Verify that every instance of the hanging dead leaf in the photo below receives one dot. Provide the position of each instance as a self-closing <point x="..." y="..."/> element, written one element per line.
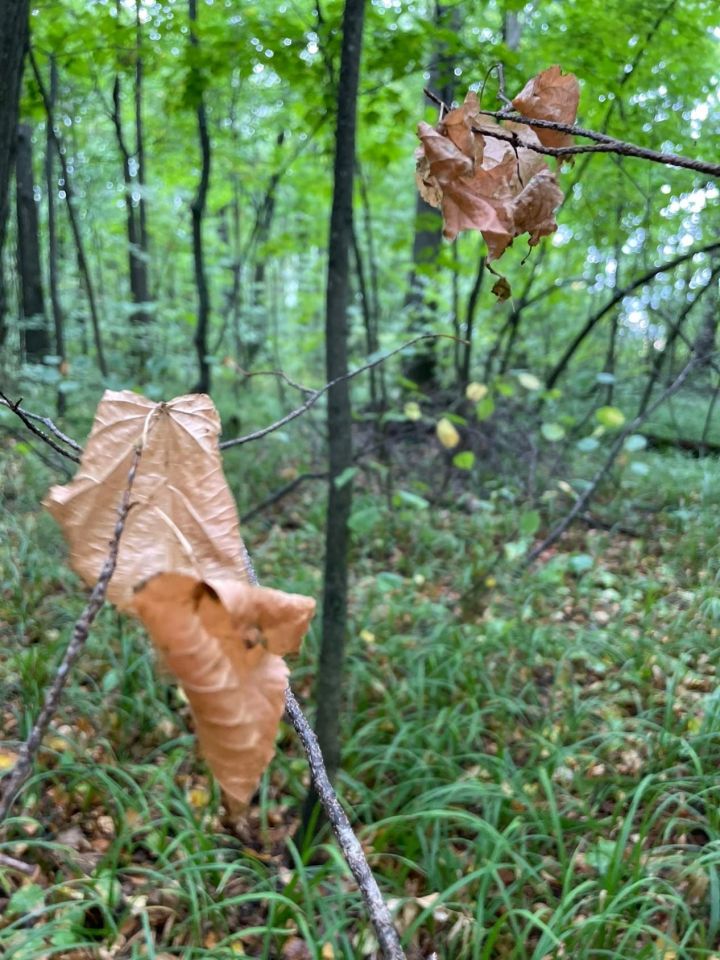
<point x="222" y="640"/>
<point x="183" y="517"/>
<point x="501" y="289"/>
<point x="554" y="96"/>
<point x="482" y="181"/>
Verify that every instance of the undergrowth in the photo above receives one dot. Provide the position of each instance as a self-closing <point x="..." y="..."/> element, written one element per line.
<point x="530" y="756"/>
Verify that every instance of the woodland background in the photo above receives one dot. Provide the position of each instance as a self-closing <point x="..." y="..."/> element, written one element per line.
<point x="529" y="752"/>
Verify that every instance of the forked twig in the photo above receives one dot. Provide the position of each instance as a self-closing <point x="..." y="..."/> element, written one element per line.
<point x="27" y="418"/>
<point x="23" y="766"/>
<point x="315" y="395"/>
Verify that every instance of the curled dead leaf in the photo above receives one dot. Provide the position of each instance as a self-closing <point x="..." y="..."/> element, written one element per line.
<point x="554" y="96"/>
<point x="222" y="641"/>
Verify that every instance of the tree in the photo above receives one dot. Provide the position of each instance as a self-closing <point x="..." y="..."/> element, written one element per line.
<point x="35" y="332"/>
<point x="13" y="42"/>
<point x="339" y="415"/>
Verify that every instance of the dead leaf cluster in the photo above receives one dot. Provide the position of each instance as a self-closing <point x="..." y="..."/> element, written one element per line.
<point x="467" y="167"/>
<point x="182" y="570"/>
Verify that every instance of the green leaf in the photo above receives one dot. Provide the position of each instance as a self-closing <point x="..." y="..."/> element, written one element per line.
<point x="26" y="899"/>
<point x="610" y="417"/>
<point x="485" y="408"/>
<point x="529" y="523"/>
<point x="405" y="498"/>
<point x="581" y="562"/>
<point x="587" y="444"/>
<point x="640" y="468"/>
<point x="552" y="431"/>
<point x="464" y="460"/>
<point x="345" y="477"/>
<point x="635" y="442"/>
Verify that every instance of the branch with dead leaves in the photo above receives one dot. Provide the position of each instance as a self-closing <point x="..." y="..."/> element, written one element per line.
<point x="603" y="142"/>
<point x="351" y="848"/>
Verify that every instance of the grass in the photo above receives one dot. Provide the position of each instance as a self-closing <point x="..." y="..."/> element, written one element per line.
<point x="530" y="757"/>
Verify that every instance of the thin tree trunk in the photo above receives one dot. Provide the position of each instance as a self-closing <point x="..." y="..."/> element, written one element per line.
<point x="198" y="211"/>
<point x="74" y="225"/>
<point x="35" y="332"/>
<point x="51" y="191"/>
<point x="13" y="44"/>
<point x="140" y="140"/>
<point x="339" y="422"/>
<point x="420" y="364"/>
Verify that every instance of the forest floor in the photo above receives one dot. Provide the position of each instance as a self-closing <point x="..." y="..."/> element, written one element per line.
<point x="530" y="756"/>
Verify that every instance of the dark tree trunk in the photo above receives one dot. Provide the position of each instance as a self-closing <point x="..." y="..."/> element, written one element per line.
<point x="420" y="365"/>
<point x="51" y="187"/>
<point x="83" y="265"/>
<point x="32" y="301"/>
<point x="339" y="422"/>
<point x="13" y="42"/>
<point x="198" y="212"/>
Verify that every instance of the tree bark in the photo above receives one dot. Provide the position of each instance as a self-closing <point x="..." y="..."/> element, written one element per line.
<point x="198" y="211"/>
<point x="420" y="365"/>
<point x="36" y="341"/>
<point x="13" y="43"/>
<point x="83" y="265"/>
<point x="51" y="187"/>
<point x="339" y="420"/>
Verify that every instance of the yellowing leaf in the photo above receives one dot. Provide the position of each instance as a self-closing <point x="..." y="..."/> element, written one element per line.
<point x="447" y="434"/>
<point x="529" y="381"/>
<point x="223" y="641"/>
<point x="183" y="517"/>
<point x="475" y="391"/>
<point x="412" y="410"/>
<point x="610" y="417"/>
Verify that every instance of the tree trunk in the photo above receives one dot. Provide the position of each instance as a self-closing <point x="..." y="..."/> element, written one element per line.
<point x="198" y="212"/>
<point x="420" y="365"/>
<point x="35" y="332"/>
<point x="51" y="187"/>
<point x="13" y="42"/>
<point x="339" y="422"/>
<point x="83" y="265"/>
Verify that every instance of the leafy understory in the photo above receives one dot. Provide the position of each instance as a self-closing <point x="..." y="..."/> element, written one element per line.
<point x="543" y="750"/>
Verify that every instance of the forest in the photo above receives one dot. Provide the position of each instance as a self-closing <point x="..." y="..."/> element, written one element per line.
<point x="359" y="493"/>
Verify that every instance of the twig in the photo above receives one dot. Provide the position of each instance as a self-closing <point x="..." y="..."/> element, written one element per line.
<point x="352" y="850"/>
<point x="349" y="844"/>
<point x="27" y="419"/>
<point x="316" y="394"/>
<point x="10" y="863"/>
<point x="583" y="500"/>
<point x="280" y="493"/>
<point x="23" y="766"/>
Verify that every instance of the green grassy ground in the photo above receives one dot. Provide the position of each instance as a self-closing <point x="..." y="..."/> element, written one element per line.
<point x="531" y="758"/>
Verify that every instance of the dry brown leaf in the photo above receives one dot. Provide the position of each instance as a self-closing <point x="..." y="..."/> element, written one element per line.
<point x="482" y="182"/>
<point x="221" y="640"/>
<point x="550" y="96"/>
<point x="183" y="517"/>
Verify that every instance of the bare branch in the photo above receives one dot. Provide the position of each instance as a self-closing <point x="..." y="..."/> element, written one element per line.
<point x="29" y="749"/>
<point x="27" y="419"/>
<point x="580" y="505"/>
<point x="317" y="394"/>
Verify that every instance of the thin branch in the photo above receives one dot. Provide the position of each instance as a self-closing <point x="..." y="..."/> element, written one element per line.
<point x="603" y="143"/>
<point x="317" y="394"/>
<point x="280" y="493"/>
<point x="352" y="850"/>
<point x="11" y="863"/>
<point x="27" y="419"/>
<point x="580" y="505"/>
<point x="21" y="770"/>
<point x="349" y="844"/>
